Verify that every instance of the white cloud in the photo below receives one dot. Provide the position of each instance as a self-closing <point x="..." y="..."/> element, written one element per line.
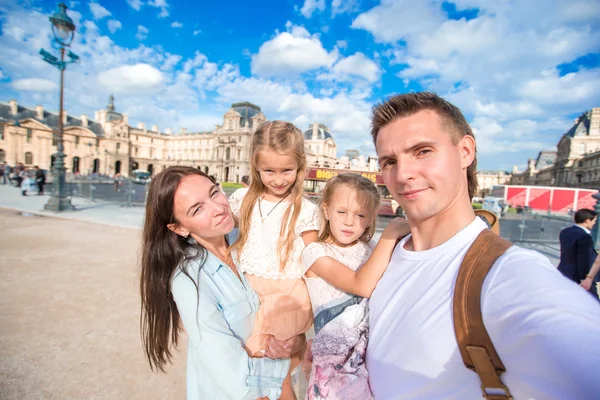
<point x="162" y="5"/>
<point x="196" y="33"/>
<point x="142" y="32"/>
<point x="135" y="4"/>
<point x="343" y="6"/>
<point x="341" y="44"/>
<point x="98" y="11"/>
<point x="310" y="6"/>
<point x="176" y="25"/>
<point x="138" y="78"/>
<point x="355" y="66"/>
<point x="291" y="53"/>
<point x="393" y="20"/>
<point x="35" y="85"/>
<point x="113" y="25"/>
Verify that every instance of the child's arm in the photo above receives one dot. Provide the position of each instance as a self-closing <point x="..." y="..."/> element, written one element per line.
<point x="363" y="281"/>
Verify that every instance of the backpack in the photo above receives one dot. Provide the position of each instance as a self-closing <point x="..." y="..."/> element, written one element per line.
<point x="476" y="347"/>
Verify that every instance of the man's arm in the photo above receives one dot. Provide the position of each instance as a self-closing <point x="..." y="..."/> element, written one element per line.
<point x="585" y="255"/>
<point x="589" y="278"/>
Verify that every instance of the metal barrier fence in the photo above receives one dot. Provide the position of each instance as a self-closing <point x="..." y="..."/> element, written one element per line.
<point x="126" y="192"/>
<point x="533" y="228"/>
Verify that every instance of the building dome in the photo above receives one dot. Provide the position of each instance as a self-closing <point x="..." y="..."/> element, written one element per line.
<point x="322" y="133"/>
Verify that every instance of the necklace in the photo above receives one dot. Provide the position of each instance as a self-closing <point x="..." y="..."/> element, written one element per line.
<point x="269" y="213"/>
<point x="412" y="246"/>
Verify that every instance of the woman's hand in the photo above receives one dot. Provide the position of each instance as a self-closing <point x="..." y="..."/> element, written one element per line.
<point x="285" y="348"/>
<point x="396" y="229"/>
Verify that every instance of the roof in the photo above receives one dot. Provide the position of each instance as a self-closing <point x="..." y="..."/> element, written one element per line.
<point x="545" y="159"/>
<point x="322" y="133"/>
<point x="49" y="119"/>
<point x="247" y="110"/>
<point x="581" y="126"/>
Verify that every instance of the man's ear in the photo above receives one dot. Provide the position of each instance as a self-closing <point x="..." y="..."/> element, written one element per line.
<point x="467" y="150"/>
<point x="178" y="230"/>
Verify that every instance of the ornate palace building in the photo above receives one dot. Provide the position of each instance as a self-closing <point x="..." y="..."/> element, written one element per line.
<point x="576" y="161"/>
<point x="108" y="145"/>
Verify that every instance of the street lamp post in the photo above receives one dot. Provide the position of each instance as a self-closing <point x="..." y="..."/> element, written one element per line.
<point x="64" y="31"/>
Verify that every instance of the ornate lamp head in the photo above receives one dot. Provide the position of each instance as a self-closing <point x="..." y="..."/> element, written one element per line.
<point x="62" y="26"/>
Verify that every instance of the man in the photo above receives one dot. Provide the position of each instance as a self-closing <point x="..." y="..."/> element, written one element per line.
<point x="40" y="179"/>
<point x="245" y="181"/>
<point x="577" y="252"/>
<point x="545" y="329"/>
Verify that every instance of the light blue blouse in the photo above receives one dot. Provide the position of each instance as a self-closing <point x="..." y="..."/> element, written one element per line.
<point x="218" y="323"/>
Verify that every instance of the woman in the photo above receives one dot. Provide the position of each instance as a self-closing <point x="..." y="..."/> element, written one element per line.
<point x="186" y="276"/>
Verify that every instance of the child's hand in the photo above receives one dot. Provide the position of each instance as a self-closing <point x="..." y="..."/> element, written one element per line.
<point x="397" y="228"/>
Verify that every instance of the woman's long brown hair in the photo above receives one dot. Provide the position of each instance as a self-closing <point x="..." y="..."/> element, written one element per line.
<point x="163" y="253"/>
<point x="283" y="138"/>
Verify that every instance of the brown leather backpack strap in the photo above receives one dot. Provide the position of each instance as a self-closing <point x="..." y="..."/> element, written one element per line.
<point x="476" y="347"/>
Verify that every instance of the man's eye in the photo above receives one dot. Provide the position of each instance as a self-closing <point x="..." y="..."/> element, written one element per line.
<point x="423" y="152"/>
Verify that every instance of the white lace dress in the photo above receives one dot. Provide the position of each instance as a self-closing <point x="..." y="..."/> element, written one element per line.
<point x="341" y="322"/>
<point x="259" y="256"/>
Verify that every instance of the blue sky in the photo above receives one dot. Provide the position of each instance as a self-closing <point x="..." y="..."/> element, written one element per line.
<point x="521" y="71"/>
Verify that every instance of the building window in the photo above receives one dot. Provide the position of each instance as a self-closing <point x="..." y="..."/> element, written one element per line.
<point x="76" y="141"/>
<point x="227" y="153"/>
<point x="97" y="143"/>
<point x="1" y="132"/>
<point x="28" y="158"/>
<point x="239" y="154"/>
<point x="2" y="156"/>
<point x="151" y="140"/>
<point x="136" y="151"/>
<point x="54" y="139"/>
<point x="118" y="147"/>
<point x="29" y="135"/>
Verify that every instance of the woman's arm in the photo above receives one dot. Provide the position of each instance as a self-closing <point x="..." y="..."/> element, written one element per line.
<point x="363" y="281"/>
<point x="227" y="366"/>
<point x="309" y="236"/>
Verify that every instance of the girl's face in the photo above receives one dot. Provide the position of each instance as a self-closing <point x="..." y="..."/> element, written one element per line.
<point x="348" y="216"/>
<point x="278" y="173"/>
<point x="201" y="208"/>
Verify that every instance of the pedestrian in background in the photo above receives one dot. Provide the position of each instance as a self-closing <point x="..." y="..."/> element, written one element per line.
<point x="245" y="181"/>
<point x="7" y="170"/>
<point x="40" y="179"/>
<point x="577" y="252"/>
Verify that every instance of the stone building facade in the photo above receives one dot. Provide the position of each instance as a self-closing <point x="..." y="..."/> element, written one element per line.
<point x="108" y="145"/>
<point x="576" y="161"/>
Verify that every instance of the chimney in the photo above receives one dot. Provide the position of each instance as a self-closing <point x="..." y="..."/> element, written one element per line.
<point x="125" y="119"/>
<point x="96" y="116"/>
<point x="169" y="131"/>
<point x="64" y="117"/>
<point x="183" y="131"/>
<point x="13" y="107"/>
<point x="155" y="128"/>
<point x="39" y="110"/>
<point x="141" y="125"/>
<point x="84" y="120"/>
<point x="102" y="116"/>
<point x="315" y="131"/>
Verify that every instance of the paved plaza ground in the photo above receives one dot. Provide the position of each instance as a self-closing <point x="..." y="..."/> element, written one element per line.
<point x="69" y="314"/>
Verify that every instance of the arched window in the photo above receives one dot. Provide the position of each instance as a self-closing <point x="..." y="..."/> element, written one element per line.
<point x="28" y="158"/>
<point x="227" y="153"/>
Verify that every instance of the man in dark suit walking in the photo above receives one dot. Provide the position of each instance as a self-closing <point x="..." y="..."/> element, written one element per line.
<point x="577" y="252"/>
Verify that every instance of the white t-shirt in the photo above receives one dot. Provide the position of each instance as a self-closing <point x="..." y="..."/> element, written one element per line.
<point x="544" y="327"/>
<point x="260" y="256"/>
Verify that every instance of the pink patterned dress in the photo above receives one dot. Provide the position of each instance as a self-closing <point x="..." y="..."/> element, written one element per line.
<point x="341" y="329"/>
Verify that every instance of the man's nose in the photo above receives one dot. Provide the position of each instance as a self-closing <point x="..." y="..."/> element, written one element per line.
<point x="404" y="170"/>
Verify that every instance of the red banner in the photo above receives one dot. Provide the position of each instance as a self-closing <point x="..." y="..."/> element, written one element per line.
<point x="324" y="174"/>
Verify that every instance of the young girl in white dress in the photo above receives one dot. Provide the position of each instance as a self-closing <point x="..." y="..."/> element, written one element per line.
<point x="348" y="210"/>
<point x="276" y="222"/>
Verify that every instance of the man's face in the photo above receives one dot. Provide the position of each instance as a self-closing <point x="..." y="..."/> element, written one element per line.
<point x="423" y="170"/>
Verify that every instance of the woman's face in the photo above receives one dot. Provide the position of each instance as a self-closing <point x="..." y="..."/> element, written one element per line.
<point x="201" y="209"/>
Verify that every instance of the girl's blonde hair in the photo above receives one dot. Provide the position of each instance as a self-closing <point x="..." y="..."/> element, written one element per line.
<point x="367" y="194"/>
<point x="283" y="138"/>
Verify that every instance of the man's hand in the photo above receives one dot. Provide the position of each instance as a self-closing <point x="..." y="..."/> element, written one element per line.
<point x="587" y="283"/>
<point x="285" y="348"/>
<point x="307" y="361"/>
